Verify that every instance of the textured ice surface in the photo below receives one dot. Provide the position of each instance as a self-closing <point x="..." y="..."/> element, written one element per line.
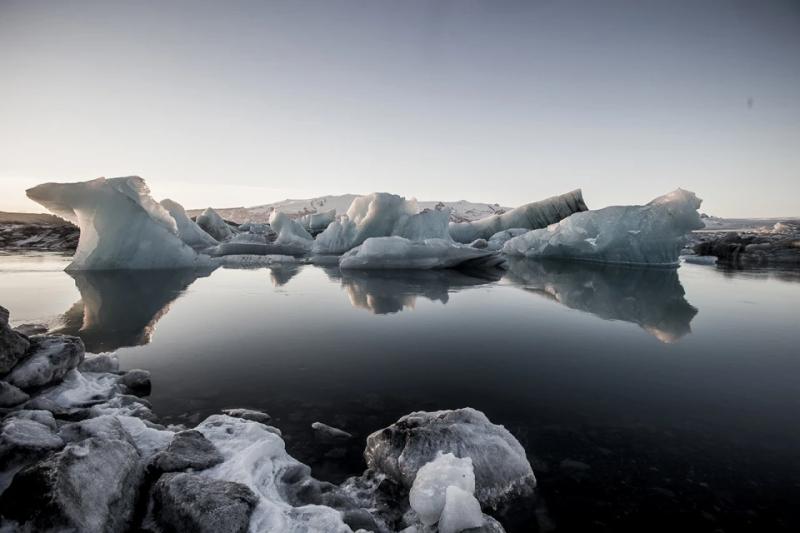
<point x="499" y="239"/>
<point x="401" y="253"/>
<point x="380" y="215"/>
<point x="648" y="234"/>
<point x="290" y="232"/>
<point x="256" y="457"/>
<point x="461" y="511"/>
<point x="427" y="495"/>
<point x="188" y="230"/>
<point x="121" y="225"/>
<point x="531" y="216"/>
<point x="317" y="221"/>
<point x="210" y="221"/>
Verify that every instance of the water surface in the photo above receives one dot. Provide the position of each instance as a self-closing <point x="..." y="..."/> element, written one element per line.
<point x="647" y="399"/>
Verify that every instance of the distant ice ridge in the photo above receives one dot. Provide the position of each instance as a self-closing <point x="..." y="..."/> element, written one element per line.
<point x="651" y="234"/>
<point x="121" y="225"/>
<point x="531" y="216"/>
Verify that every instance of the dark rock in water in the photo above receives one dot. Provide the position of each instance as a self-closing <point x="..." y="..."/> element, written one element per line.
<point x="502" y="470"/>
<point x="249" y="414"/>
<point x="137" y="381"/>
<point x="190" y="502"/>
<point x="779" y="247"/>
<point x="31" y="329"/>
<point x="100" y="363"/>
<point x="188" y="449"/>
<point x="90" y="486"/>
<point x="11" y="395"/>
<point x="49" y="359"/>
<point x="13" y="345"/>
<point x="327" y="433"/>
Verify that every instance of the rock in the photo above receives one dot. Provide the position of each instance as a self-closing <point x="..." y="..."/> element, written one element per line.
<point x="31" y="329"/>
<point x="43" y="417"/>
<point x="90" y="486"/>
<point x="249" y="414"/>
<point x="51" y="358"/>
<point x="12" y="344"/>
<point x="190" y="502"/>
<point x="501" y="468"/>
<point x="137" y="381"/>
<point x="11" y="395"/>
<point x="325" y="432"/>
<point x="108" y="363"/>
<point x="188" y="449"/>
<point x="27" y="436"/>
<point x="105" y="427"/>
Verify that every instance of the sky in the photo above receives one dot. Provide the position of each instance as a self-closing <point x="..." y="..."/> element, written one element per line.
<point x="246" y="103"/>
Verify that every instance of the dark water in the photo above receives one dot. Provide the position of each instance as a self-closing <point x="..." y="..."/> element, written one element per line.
<point x="647" y="400"/>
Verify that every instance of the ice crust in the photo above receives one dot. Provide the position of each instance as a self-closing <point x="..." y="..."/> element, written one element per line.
<point x="427" y="495"/>
<point x="531" y="216"/>
<point x="649" y="234"/>
<point x="121" y="225"/>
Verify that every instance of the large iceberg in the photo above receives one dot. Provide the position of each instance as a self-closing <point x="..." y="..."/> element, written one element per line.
<point x="290" y="232"/>
<point x="121" y="225"/>
<point x="402" y="253"/>
<point x="380" y="214"/>
<point x="316" y="222"/>
<point x="531" y="216"/>
<point x="638" y="234"/>
<point x="214" y="225"/>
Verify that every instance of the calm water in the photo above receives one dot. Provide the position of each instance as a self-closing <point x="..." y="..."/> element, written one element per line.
<point x="646" y="399"/>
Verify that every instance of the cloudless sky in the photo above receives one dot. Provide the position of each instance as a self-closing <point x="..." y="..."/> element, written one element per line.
<point x="243" y="103"/>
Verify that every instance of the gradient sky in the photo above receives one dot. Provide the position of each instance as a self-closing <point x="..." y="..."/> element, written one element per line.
<point x="242" y="103"/>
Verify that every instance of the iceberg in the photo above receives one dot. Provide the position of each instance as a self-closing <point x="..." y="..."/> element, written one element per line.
<point x="381" y="215"/>
<point x="402" y="253"/>
<point x="651" y="234"/>
<point x="121" y="225"/>
<point x="315" y="222"/>
<point x="188" y="230"/>
<point x="210" y="221"/>
<point x="290" y="232"/>
<point x="531" y="216"/>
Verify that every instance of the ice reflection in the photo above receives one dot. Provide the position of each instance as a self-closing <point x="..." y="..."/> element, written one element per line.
<point x="653" y="298"/>
<point x="121" y="308"/>
<point x="385" y="292"/>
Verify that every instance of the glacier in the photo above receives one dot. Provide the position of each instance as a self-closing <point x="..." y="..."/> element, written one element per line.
<point x="651" y="234"/>
<point x="531" y="216"/>
<point x="121" y="225"/>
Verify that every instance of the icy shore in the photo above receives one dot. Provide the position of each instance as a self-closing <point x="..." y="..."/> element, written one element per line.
<point x="80" y="449"/>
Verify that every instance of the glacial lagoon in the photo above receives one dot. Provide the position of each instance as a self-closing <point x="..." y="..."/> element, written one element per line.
<point x="646" y="399"/>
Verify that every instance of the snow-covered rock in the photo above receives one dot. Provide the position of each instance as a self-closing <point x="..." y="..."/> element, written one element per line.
<point x="290" y="232"/>
<point x="90" y="486"/>
<point x="191" y="502"/>
<point x="210" y="222"/>
<point x="11" y="395"/>
<point x="329" y="433"/>
<point x="104" y="362"/>
<point x="13" y="345"/>
<point x="650" y="234"/>
<point x="401" y="253"/>
<point x="501" y="468"/>
<point x="49" y="359"/>
<point x="188" y="449"/>
<point x="188" y="230"/>
<point x="121" y="225"/>
<point x="531" y="216"/>
<point x="315" y="222"/>
<point x="427" y="495"/>
<point x="136" y="381"/>
<point x="248" y="414"/>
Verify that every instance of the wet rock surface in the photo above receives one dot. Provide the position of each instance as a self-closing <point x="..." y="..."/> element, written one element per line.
<point x="13" y="345"/>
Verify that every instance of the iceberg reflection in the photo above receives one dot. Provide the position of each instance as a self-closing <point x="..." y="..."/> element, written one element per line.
<point x="653" y="298"/>
<point x="120" y="308"/>
<point x="385" y="292"/>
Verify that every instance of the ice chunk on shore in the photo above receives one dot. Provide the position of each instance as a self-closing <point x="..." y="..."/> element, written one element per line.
<point x="380" y="215"/>
<point x="461" y="511"/>
<point x="290" y="232"/>
<point x="401" y="253"/>
<point x="531" y="216"/>
<point x="121" y="225"/>
<point x="188" y="230"/>
<point x="213" y="224"/>
<point x="648" y="234"/>
<point x="427" y="495"/>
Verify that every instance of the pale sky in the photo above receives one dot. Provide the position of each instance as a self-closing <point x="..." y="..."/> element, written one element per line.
<point x="244" y="103"/>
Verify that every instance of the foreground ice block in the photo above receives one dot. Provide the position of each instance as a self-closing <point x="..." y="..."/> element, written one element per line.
<point x="531" y="216"/>
<point x="651" y="234"/>
<point x="121" y="225"/>
<point x="401" y="253"/>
